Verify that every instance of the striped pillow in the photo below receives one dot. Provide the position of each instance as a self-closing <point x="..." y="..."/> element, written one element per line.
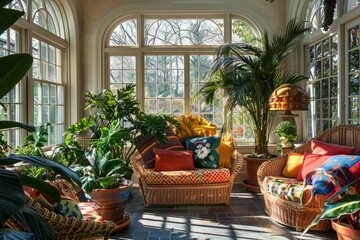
<point x="145" y="145"/>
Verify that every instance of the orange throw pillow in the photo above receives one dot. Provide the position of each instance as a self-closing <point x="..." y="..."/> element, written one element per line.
<point x="168" y="160"/>
<point x="293" y="165"/>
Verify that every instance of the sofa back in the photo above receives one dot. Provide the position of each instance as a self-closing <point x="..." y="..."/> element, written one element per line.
<point x="344" y="134"/>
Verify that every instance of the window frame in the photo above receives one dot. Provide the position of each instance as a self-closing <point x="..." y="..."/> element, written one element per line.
<point x="140" y="50"/>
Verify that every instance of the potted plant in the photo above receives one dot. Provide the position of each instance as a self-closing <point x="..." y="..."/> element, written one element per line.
<point x="107" y="167"/>
<point x="287" y="133"/>
<point x="247" y="75"/>
<point x="343" y="206"/>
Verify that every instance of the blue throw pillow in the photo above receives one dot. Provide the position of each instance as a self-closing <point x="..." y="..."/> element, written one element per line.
<point x="205" y="154"/>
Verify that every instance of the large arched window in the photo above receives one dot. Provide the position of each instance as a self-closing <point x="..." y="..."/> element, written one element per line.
<point x="167" y="58"/>
<point x="40" y="96"/>
<point x="333" y="68"/>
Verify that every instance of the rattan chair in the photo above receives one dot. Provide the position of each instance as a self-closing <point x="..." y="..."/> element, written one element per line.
<point x="301" y="215"/>
<point x="216" y="193"/>
<point x="64" y="227"/>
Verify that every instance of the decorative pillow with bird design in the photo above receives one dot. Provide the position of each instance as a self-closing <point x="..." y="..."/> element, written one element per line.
<point x="205" y="151"/>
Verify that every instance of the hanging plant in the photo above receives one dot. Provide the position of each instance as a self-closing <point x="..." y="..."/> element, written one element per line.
<point x="329" y="10"/>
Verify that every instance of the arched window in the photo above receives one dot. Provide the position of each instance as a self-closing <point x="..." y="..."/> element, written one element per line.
<point x="43" y="93"/>
<point x="169" y="60"/>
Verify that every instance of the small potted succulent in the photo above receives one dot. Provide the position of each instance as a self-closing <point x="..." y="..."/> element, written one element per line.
<point x="343" y="205"/>
<point x="287" y="133"/>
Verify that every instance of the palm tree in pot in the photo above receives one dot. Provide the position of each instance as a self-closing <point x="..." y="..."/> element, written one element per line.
<point x="247" y="75"/>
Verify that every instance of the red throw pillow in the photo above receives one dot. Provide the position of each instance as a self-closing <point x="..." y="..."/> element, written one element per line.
<point x="168" y="160"/>
<point x="319" y="147"/>
<point x="310" y="163"/>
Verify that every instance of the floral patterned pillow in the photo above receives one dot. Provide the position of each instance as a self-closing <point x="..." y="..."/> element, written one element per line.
<point x="205" y="154"/>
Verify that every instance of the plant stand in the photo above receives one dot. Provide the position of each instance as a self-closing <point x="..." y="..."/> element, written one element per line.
<point x="345" y="232"/>
<point x="252" y="165"/>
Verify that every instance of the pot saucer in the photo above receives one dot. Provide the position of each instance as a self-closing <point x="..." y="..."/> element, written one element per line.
<point x="123" y="224"/>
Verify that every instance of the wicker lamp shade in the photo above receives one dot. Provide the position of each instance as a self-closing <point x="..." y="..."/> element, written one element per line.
<point x="289" y="97"/>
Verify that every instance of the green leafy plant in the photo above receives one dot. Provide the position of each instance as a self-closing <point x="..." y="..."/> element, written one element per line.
<point x="121" y="121"/>
<point x="344" y="204"/>
<point x="248" y="74"/>
<point x="287" y="133"/>
<point x="103" y="172"/>
<point x="35" y="142"/>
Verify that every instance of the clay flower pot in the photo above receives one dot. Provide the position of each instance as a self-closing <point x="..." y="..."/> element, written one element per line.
<point x="252" y="165"/>
<point x="112" y="202"/>
<point x="345" y="232"/>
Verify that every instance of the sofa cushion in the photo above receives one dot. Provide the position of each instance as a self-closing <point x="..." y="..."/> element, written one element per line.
<point x="310" y="163"/>
<point x="145" y="145"/>
<point x="188" y="177"/>
<point x="90" y="211"/>
<point x="205" y="151"/>
<point x="319" y="147"/>
<point x="293" y="165"/>
<point x="168" y="160"/>
<point x="284" y="188"/>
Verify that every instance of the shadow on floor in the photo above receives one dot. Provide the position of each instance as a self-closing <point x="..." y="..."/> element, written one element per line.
<point x="245" y="218"/>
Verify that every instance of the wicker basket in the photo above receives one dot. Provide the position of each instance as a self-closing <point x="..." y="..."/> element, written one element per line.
<point x="64" y="227"/>
<point x="187" y="193"/>
<point x="301" y="215"/>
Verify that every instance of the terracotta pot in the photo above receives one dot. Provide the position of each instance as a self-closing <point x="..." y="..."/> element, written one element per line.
<point x="252" y="165"/>
<point x="345" y="232"/>
<point x="112" y="202"/>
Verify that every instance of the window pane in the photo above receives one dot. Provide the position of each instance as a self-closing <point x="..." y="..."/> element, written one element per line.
<point x="164" y="87"/>
<point x="125" y="34"/>
<point x="122" y="71"/>
<point x="184" y="31"/>
<point x="242" y="33"/>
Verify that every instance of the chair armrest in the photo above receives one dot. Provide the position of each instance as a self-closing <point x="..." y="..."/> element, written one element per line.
<point x="136" y="161"/>
<point x="272" y="167"/>
<point x="236" y="163"/>
<point x="66" y="188"/>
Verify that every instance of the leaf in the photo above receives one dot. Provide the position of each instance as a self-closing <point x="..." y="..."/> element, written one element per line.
<point x="3" y="3"/>
<point x="42" y="186"/>
<point x="8" y="17"/>
<point x="35" y="223"/>
<point x="42" y="162"/>
<point x="346" y="205"/>
<point x="89" y="183"/>
<point x="12" y="197"/>
<point x="12" y="124"/>
<point x="11" y="234"/>
<point x="12" y="70"/>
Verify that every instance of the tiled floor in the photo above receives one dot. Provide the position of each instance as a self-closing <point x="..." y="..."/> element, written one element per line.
<point x="244" y="219"/>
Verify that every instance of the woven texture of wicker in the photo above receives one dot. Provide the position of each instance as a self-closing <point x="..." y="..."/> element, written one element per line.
<point x="301" y="215"/>
<point x="217" y="193"/>
<point x="64" y="227"/>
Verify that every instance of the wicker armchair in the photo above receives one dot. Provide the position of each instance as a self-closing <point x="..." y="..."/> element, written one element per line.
<point x="216" y="193"/>
<point x="64" y="227"/>
<point x="301" y="215"/>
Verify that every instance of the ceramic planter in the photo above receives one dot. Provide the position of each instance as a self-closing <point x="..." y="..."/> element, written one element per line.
<point x="345" y="232"/>
<point x="112" y="202"/>
<point x="252" y="165"/>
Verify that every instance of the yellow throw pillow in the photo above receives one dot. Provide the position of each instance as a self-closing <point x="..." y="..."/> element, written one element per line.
<point x="225" y="151"/>
<point x="293" y="165"/>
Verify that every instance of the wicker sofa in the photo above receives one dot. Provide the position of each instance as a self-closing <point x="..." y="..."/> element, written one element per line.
<point x="301" y="215"/>
<point x="216" y="193"/>
<point x="64" y="227"/>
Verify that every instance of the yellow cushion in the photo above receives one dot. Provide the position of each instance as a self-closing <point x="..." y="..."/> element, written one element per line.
<point x="194" y="126"/>
<point x="225" y="151"/>
<point x="293" y="165"/>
